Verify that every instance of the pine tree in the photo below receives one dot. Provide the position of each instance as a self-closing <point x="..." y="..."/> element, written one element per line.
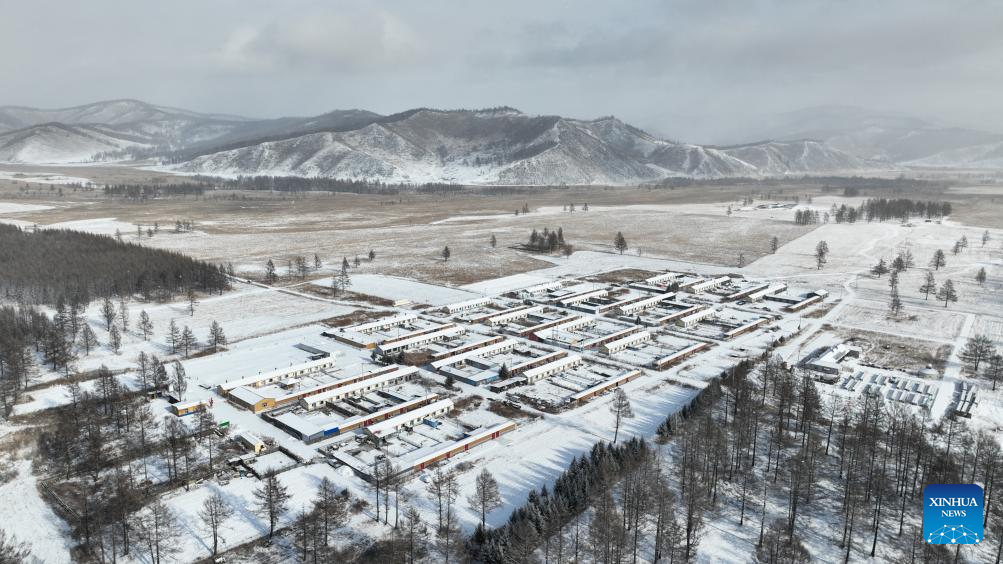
<point x="994" y="368"/>
<point x="774" y="244"/>
<point x="939" y="260"/>
<point x="187" y="341"/>
<point x="180" y="379"/>
<point x="929" y="285"/>
<point x="115" y="339"/>
<point x="216" y="336"/>
<point x="372" y="255"/>
<point x="316" y="262"/>
<point x="270" y="275"/>
<point x="446" y="253"/>
<point x="880" y="269"/>
<point x="821" y="254"/>
<point x="88" y="339"/>
<point x="173" y="336"/>
<point x="980" y="276"/>
<point x="947" y="292"/>
<point x="192" y="300"/>
<point x="123" y="315"/>
<point x="494" y="241"/>
<point x="620" y="242"/>
<point x="145" y="325"/>
<point x="977" y="349"/>
<point x="895" y="303"/>
<point x="108" y="313"/>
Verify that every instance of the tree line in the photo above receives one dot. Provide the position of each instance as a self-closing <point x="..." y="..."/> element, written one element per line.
<point x="318" y="184"/>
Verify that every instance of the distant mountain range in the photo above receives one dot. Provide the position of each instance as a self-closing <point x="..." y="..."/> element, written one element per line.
<point x="890" y="137"/>
<point x="492" y="146"/>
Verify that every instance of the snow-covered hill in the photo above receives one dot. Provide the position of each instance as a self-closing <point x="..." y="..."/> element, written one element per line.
<point x="504" y="146"/>
<point x="55" y="143"/>
<point x="886" y="136"/>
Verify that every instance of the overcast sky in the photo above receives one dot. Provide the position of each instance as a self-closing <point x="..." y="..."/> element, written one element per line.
<point x="696" y="70"/>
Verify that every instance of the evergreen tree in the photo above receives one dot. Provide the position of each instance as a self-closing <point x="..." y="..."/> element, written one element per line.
<point x="939" y="259"/>
<point x="108" y="313"/>
<point x="88" y="340"/>
<point x="880" y="269"/>
<point x="187" y="342"/>
<point x="620" y="242"/>
<point x="980" y="276"/>
<point x="947" y="292"/>
<point x="216" y="336"/>
<point x="115" y="339"/>
<point x="145" y="325"/>
<point x="270" y="275"/>
<point x="173" y="336"/>
<point x="929" y="285"/>
<point x="446" y="253"/>
<point x="821" y="254"/>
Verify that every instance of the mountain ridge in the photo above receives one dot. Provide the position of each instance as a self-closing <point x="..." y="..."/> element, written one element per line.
<point x="497" y="145"/>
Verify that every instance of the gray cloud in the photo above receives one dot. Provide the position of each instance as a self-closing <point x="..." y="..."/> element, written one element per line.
<point x="695" y="70"/>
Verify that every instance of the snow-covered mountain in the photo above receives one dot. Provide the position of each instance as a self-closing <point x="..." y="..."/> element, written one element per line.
<point x="886" y="136"/>
<point x="116" y="129"/>
<point x="504" y="146"/>
<point x="493" y="146"/>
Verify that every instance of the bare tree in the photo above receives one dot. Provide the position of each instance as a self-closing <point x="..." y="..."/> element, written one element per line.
<point x="180" y="379"/>
<point x="115" y="339"/>
<point x="88" y="339"/>
<point x="414" y="533"/>
<point x="108" y="313"/>
<point x="929" y="285"/>
<point x="215" y="511"/>
<point x="331" y="507"/>
<point x="158" y="528"/>
<point x="620" y="408"/>
<point x="486" y="497"/>
<point x="145" y="325"/>
<point x="12" y="551"/>
<point x="192" y="298"/>
<point x="272" y="501"/>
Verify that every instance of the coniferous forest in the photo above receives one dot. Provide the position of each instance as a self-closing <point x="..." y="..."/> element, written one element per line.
<point x="40" y="266"/>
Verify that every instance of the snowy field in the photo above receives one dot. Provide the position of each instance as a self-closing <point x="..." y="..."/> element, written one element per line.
<point x="393" y="288"/>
